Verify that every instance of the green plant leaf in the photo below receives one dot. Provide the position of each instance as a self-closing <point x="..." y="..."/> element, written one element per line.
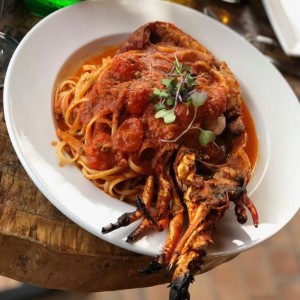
<point x="159" y="106"/>
<point x="178" y="88"/>
<point x="166" y="81"/>
<point x="190" y="80"/>
<point x="198" y="99"/>
<point x="205" y="137"/>
<point x="170" y="101"/>
<point x="157" y="93"/>
<point x="170" y="84"/>
<point x="167" y="115"/>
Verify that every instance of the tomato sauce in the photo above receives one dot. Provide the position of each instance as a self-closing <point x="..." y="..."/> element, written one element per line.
<point x="136" y="135"/>
<point x="252" y="145"/>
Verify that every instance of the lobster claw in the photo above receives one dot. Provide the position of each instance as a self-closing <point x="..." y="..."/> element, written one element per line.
<point x="179" y="288"/>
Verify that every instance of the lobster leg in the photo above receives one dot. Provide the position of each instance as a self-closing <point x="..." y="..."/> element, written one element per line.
<point x="174" y="232"/>
<point x="141" y="229"/>
<point x="175" y="229"/>
<point x="191" y="250"/>
<point x="192" y="257"/>
<point x="201" y="214"/>
<point x="142" y="208"/>
<point x="161" y="219"/>
<point x="249" y="204"/>
<point x="180" y="287"/>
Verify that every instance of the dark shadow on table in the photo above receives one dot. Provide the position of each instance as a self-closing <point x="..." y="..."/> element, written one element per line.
<point x="25" y="292"/>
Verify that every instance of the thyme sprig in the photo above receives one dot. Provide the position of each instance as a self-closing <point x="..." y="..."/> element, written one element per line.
<point x="179" y="87"/>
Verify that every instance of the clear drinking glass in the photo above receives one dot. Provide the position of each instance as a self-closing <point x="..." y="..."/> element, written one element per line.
<point x="7" y="47"/>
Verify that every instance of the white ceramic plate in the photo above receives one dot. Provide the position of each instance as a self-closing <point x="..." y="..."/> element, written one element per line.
<point x="78" y="31"/>
<point x="284" y="16"/>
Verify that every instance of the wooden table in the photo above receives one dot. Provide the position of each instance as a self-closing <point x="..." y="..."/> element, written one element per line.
<point x="38" y="244"/>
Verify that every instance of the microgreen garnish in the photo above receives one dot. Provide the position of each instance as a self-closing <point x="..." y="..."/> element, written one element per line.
<point x="196" y="101"/>
<point x="179" y="86"/>
<point x="159" y="106"/>
<point x="160" y="93"/>
<point x="205" y="137"/>
<point x="167" y="115"/>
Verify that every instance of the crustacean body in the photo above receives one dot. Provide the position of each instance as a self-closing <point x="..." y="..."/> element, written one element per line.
<point x="187" y="179"/>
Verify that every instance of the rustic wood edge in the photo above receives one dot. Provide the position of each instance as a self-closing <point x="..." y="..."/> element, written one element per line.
<point x="94" y="266"/>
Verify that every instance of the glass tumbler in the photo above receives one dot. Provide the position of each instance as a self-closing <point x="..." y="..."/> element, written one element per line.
<point x="42" y="8"/>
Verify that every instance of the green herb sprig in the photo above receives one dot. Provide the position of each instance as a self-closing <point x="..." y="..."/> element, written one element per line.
<point x="180" y="88"/>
